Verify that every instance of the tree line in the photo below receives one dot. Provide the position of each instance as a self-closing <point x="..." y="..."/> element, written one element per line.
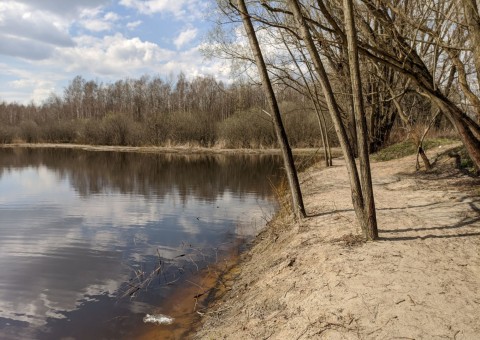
<point x="156" y="111"/>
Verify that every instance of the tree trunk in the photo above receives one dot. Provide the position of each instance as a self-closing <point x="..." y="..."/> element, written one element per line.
<point x="370" y="222"/>
<point x="425" y="160"/>
<point x="473" y="22"/>
<point x="297" y="200"/>
<point x="357" y="197"/>
<point x="467" y="130"/>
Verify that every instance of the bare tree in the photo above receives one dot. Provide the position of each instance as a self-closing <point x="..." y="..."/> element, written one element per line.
<point x="362" y="211"/>
<point x="361" y="123"/>
<point x="297" y="200"/>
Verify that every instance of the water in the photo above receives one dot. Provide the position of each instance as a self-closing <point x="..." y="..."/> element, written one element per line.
<point x="81" y="232"/>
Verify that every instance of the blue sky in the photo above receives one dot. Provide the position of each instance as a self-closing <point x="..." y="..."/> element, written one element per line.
<point x="45" y="43"/>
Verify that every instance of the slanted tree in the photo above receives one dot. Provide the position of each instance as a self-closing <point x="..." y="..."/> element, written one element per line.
<point x="294" y="184"/>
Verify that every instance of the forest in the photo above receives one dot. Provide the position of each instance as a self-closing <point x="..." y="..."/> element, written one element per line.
<point x="152" y="110"/>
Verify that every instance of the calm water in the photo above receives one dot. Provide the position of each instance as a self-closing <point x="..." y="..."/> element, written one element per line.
<point x="78" y="227"/>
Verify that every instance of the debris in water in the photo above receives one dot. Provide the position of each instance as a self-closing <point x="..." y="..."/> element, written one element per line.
<point x="158" y="318"/>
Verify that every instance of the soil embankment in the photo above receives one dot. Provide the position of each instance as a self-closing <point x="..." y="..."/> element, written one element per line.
<point x="316" y="279"/>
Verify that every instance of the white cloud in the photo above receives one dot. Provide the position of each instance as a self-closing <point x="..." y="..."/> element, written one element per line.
<point x="96" y="25"/>
<point x="185" y="37"/>
<point x="182" y="9"/>
<point x="112" y="57"/>
<point x="94" y="20"/>
<point x="111" y="16"/>
<point x="27" y="85"/>
<point x="134" y="24"/>
<point x="30" y="33"/>
<point x="113" y="54"/>
<point x="64" y="8"/>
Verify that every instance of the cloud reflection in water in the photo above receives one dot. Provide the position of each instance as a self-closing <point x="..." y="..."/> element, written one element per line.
<point x="73" y="225"/>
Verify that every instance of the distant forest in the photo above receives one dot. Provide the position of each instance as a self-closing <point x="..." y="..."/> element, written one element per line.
<point x="155" y="111"/>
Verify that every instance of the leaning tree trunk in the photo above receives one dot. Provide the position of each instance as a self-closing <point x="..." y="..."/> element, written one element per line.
<point x="467" y="129"/>
<point x="297" y="200"/>
<point x="370" y="222"/>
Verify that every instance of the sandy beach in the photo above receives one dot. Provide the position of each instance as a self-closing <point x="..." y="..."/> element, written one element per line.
<point x="316" y="279"/>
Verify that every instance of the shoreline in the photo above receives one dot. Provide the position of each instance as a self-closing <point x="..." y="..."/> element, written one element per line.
<point x="317" y="279"/>
<point x="183" y="149"/>
<point x="188" y="302"/>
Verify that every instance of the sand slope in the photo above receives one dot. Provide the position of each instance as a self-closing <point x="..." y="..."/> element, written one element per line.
<point x="315" y="280"/>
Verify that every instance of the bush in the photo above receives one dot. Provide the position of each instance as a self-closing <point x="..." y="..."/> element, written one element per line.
<point x="245" y="129"/>
<point x="60" y="132"/>
<point x="7" y="134"/>
<point x="302" y="128"/>
<point x="191" y="127"/>
<point x="92" y="132"/>
<point x="157" y="130"/>
<point x="113" y="129"/>
<point x="29" y="131"/>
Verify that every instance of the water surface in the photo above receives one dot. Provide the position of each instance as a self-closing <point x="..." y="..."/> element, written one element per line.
<point x="80" y="230"/>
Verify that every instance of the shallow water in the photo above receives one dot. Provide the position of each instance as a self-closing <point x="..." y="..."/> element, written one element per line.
<point x="82" y="233"/>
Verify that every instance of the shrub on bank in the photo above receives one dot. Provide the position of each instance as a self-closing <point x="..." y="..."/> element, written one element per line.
<point x="245" y="129"/>
<point x="7" y="134"/>
<point x="29" y="131"/>
<point x="157" y="130"/>
<point x="114" y="129"/>
<point x="302" y="128"/>
<point x="187" y="127"/>
<point x="60" y="132"/>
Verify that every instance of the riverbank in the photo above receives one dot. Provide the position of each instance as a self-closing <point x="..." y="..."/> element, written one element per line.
<point x="316" y="280"/>
<point x="183" y="149"/>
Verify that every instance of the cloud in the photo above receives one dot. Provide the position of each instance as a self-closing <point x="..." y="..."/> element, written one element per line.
<point x="24" y="48"/>
<point x="39" y="88"/>
<point x="185" y="37"/>
<point x="111" y="16"/>
<point x="193" y="64"/>
<point x="181" y="9"/>
<point x="23" y="84"/>
<point x="111" y="57"/>
<point x="62" y="7"/>
<point x="114" y="54"/>
<point x="95" y="21"/>
<point x="134" y="24"/>
<point x="31" y="34"/>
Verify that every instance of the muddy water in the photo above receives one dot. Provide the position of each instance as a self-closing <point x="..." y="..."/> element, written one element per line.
<point x="92" y="242"/>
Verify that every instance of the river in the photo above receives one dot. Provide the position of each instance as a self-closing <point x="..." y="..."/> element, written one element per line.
<point x="91" y="242"/>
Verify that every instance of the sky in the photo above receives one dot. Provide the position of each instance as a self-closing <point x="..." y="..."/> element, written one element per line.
<point x="44" y="44"/>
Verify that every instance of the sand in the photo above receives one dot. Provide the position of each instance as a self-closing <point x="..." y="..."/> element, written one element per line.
<point x="316" y="279"/>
